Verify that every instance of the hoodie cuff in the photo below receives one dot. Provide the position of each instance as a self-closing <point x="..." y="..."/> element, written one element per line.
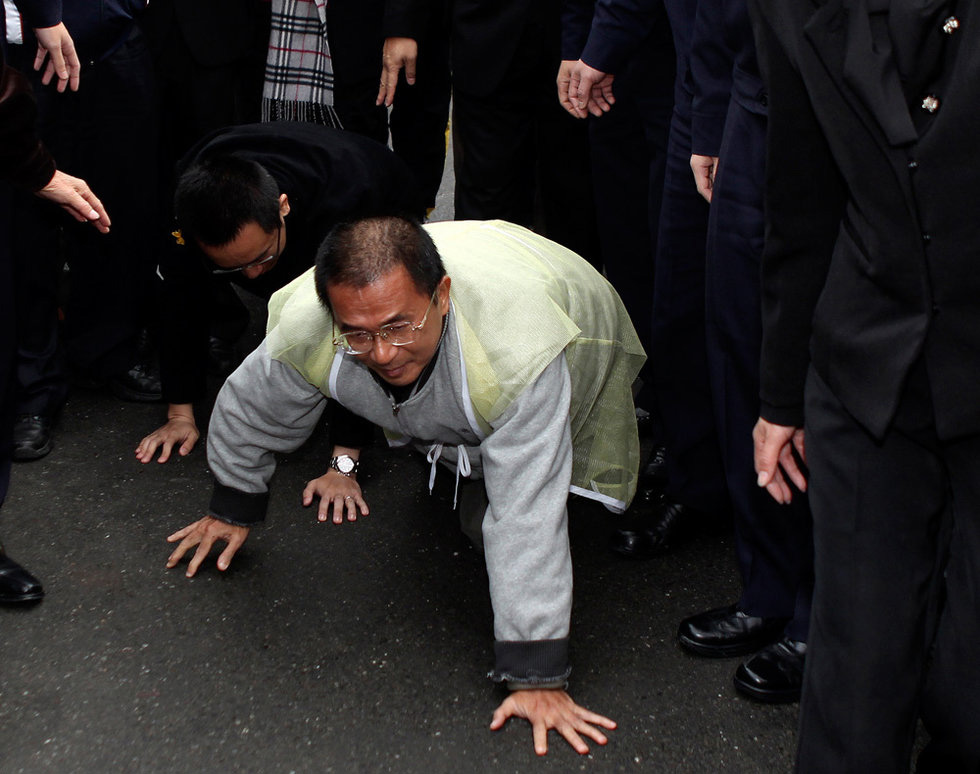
<point x="531" y="663"/>
<point x="243" y="509"/>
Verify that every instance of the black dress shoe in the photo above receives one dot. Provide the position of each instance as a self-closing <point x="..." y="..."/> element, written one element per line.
<point x="17" y="584"/>
<point x="775" y="674"/>
<point x="654" y="532"/>
<point x="32" y="437"/>
<point x="727" y="631"/>
<point x="644" y="422"/>
<point x="653" y="477"/>
<point x="140" y="384"/>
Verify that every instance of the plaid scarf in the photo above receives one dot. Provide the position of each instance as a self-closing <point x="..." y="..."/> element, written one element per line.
<point x="298" y="69"/>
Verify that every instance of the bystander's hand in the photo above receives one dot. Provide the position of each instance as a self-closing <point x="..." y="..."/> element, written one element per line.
<point x="204" y="534"/>
<point x="774" y="460"/>
<point x="563" y="81"/>
<point x="590" y="90"/>
<point x="180" y="429"/>
<point x="55" y="44"/>
<point x="396" y="54"/>
<point x="74" y="196"/>
<point x="547" y="709"/>
<point x="704" y="169"/>
<point x="338" y="493"/>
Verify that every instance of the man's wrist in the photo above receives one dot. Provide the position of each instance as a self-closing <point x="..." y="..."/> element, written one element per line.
<point x="345" y="464"/>
<point x="557" y="685"/>
<point x="181" y="411"/>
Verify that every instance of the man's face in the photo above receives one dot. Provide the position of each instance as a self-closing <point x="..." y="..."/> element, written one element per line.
<point x="252" y="246"/>
<point x="392" y="298"/>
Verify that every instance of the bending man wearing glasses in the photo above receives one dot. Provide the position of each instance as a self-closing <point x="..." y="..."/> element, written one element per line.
<point x="493" y="351"/>
<point x="252" y="205"/>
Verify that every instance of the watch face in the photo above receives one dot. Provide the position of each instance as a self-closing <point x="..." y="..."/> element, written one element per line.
<point x="345" y="464"/>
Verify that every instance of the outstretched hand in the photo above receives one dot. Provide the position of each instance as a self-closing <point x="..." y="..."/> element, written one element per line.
<point x="74" y="196"/>
<point x="545" y="709"/>
<point x="774" y="460"/>
<point x="204" y="534"/>
<point x="338" y="492"/>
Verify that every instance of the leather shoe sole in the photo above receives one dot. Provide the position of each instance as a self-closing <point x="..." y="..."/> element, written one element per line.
<point x="17" y="585"/>
<point x="774" y="675"/>
<point x="726" y="631"/>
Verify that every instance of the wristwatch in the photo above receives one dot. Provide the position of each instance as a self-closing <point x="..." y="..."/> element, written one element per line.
<point x="344" y="464"/>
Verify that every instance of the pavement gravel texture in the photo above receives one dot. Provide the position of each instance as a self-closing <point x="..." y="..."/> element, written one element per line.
<point x="329" y="648"/>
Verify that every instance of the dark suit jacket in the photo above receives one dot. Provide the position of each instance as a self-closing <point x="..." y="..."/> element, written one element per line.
<point x="217" y="32"/>
<point x="24" y="161"/>
<point x="485" y="34"/>
<point x="873" y="245"/>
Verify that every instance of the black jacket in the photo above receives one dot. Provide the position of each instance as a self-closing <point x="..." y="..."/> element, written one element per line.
<point x="872" y="240"/>
<point x="328" y="175"/>
<point x="24" y="161"/>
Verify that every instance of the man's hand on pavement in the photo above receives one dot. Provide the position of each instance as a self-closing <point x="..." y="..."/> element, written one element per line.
<point x="547" y="709"/>
<point x="204" y="534"/>
<point x="774" y="460"/>
<point x="56" y="44"/>
<point x="704" y="168"/>
<point x="397" y="53"/>
<point x="74" y="196"/>
<point x="180" y="429"/>
<point x="338" y="491"/>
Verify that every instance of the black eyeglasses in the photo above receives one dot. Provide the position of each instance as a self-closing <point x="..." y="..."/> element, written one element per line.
<point x="257" y="261"/>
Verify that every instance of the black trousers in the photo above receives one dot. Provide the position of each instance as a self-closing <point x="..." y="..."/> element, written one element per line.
<point x="678" y="350"/>
<point x="515" y="149"/>
<point x="774" y="543"/>
<point x="628" y="148"/>
<point x="8" y="343"/>
<point x="420" y="113"/>
<point x="896" y="606"/>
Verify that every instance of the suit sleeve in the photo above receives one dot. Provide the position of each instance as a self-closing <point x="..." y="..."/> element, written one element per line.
<point x="576" y="21"/>
<point x="712" y="60"/>
<point x="805" y="197"/>
<point x="186" y="298"/>
<point x="404" y="18"/>
<point x="618" y="28"/>
<point x="41" y="13"/>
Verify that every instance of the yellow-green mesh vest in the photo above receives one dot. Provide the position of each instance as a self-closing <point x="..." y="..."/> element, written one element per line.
<point x="519" y="300"/>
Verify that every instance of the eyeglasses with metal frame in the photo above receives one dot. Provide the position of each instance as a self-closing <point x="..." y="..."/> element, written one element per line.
<point x="398" y="334"/>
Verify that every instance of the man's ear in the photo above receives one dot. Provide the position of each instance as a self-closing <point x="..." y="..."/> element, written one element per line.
<point x="283" y="205"/>
<point x="443" y="289"/>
